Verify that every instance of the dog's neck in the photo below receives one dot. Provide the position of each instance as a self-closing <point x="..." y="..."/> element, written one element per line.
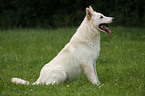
<point x="87" y="33"/>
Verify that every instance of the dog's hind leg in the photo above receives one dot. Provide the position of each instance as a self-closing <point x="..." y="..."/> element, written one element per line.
<point x="58" y="75"/>
<point x="37" y="82"/>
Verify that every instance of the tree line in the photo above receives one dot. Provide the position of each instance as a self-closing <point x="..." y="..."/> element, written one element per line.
<point x="62" y="13"/>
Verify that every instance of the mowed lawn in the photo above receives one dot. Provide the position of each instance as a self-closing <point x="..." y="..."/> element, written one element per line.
<point x="120" y="66"/>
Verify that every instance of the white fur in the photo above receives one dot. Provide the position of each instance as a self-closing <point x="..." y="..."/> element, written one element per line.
<point x="19" y="81"/>
<point x="80" y="53"/>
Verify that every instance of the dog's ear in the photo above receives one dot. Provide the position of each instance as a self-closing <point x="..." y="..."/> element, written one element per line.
<point x="89" y="12"/>
<point x="91" y="8"/>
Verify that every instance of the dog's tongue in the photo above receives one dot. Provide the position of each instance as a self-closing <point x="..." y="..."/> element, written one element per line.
<point x="109" y="32"/>
<point x="106" y="29"/>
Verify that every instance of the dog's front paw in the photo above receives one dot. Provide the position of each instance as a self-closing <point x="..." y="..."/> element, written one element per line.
<point x="98" y="83"/>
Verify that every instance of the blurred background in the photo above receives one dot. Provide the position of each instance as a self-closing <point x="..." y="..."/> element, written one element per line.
<point x="68" y="13"/>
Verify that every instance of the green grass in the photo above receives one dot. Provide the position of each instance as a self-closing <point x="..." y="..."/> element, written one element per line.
<point x="120" y="66"/>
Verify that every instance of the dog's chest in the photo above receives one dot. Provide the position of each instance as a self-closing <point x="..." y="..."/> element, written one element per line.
<point x="84" y="51"/>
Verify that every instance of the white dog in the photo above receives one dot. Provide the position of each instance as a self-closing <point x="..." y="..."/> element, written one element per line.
<point x="80" y="53"/>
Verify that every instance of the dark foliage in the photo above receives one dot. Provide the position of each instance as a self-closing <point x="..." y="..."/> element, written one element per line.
<point x="59" y="13"/>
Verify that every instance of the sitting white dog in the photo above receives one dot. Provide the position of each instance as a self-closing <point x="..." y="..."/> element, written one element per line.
<point x="80" y="53"/>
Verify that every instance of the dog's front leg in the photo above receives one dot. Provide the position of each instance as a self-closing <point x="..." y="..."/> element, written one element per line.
<point x="94" y="66"/>
<point x="90" y="72"/>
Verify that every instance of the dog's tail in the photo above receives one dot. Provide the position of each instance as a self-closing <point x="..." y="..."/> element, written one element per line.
<point x="19" y="81"/>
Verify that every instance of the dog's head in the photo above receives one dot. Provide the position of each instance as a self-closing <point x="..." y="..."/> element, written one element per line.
<point x="98" y="20"/>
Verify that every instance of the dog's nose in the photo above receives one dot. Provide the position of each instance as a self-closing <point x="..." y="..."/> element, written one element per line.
<point x="113" y="18"/>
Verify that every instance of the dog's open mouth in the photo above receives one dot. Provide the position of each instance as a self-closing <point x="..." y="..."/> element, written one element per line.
<point x="105" y="29"/>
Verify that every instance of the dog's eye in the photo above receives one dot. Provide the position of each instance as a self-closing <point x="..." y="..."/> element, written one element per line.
<point x="101" y="17"/>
